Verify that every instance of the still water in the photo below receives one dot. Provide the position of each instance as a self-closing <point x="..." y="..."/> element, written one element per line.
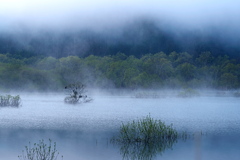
<point x="83" y="132"/>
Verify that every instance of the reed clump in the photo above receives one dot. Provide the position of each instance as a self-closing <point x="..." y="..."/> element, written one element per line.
<point x="145" y="138"/>
<point x="146" y="130"/>
<point x="40" y="151"/>
<point x="10" y="101"/>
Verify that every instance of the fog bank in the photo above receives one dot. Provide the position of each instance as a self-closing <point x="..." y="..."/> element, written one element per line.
<point x="60" y="28"/>
<point x="105" y="13"/>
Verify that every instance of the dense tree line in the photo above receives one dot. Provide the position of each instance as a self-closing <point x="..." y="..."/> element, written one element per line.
<point x="159" y="70"/>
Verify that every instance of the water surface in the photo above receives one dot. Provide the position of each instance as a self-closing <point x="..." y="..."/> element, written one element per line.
<point x="84" y="131"/>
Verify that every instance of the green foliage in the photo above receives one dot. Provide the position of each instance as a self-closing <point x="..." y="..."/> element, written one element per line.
<point x="10" y="101"/>
<point x="48" y="63"/>
<point x="182" y="58"/>
<point x="146" y="137"/>
<point x="229" y="81"/>
<point x="205" y="59"/>
<point x="176" y="70"/>
<point x="40" y="151"/>
<point x="186" y="71"/>
<point x="146" y="130"/>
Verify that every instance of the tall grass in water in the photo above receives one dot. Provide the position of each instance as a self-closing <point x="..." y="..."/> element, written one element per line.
<point x="40" y="151"/>
<point x="146" y="130"/>
<point x="145" y="138"/>
<point x="8" y="100"/>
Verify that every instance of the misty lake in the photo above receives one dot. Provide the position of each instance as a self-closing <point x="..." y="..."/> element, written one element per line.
<point x="83" y="131"/>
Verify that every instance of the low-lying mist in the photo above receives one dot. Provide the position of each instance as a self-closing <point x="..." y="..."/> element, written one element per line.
<point x="123" y="44"/>
<point x="82" y="28"/>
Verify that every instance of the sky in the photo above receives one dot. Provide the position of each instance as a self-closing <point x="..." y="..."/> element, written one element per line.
<point x="113" y="13"/>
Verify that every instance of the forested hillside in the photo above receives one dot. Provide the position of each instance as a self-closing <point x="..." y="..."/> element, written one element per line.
<point x="136" y="38"/>
<point x="159" y="70"/>
<point x="141" y="54"/>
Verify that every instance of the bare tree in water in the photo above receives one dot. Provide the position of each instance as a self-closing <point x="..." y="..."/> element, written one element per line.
<point x="76" y="94"/>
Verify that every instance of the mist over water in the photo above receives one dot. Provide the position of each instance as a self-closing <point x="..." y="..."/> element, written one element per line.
<point x="84" y="130"/>
<point x="61" y="28"/>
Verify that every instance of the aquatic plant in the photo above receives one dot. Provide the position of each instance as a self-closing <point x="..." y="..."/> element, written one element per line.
<point x="144" y="138"/>
<point x="146" y="130"/>
<point x="40" y="151"/>
<point x="8" y="100"/>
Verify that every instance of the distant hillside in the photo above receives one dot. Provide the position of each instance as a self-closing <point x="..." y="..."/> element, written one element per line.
<point x="137" y="38"/>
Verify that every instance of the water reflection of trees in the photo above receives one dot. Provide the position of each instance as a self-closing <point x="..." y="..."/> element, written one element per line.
<point x="145" y="151"/>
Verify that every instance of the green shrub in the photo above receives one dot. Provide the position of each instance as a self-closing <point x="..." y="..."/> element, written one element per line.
<point x="145" y="138"/>
<point x="146" y="130"/>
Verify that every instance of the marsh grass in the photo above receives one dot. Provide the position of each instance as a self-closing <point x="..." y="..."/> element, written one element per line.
<point x="8" y="100"/>
<point x="40" y="151"/>
<point x="146" y="130"/>
<point x="145" y="138"/>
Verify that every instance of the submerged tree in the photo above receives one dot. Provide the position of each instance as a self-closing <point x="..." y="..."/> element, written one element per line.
<point x="76" y="94"/>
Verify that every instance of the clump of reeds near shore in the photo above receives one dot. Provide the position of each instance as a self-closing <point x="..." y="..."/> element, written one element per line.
<point x="146" y="130"/>
<point x="10" y="101"/>
<point x="145" y="138"/>
<point x="40" y="151"/>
